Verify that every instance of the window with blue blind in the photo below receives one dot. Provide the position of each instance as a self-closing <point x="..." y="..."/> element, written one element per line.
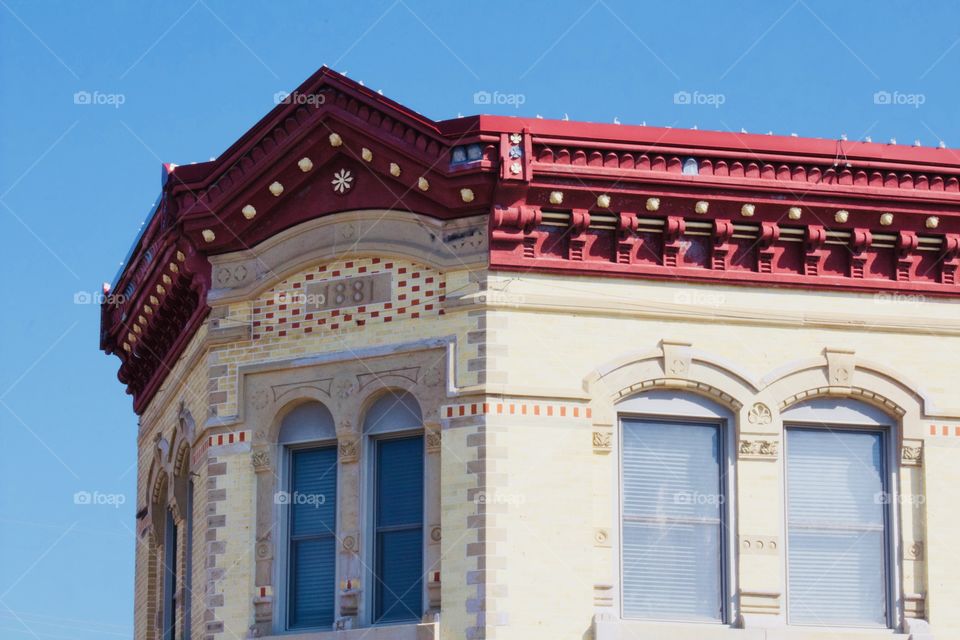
<point x="672" y="517"/>
<point x="312" y="505"/>
<point x="398" y="529"/>
<point x="837" y="527"/>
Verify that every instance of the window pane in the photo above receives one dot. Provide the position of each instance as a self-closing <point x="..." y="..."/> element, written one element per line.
<point x="312" y="579"/>
<point x="313" y="493"/>
<point x="399" y="587"/>
<point x="312" y="562"/>
<point x="836" y="516"/>
<point x="399" y="529"/>
<point x="672" y="521"/>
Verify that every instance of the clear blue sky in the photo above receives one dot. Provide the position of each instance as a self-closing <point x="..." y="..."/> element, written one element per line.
<point x="180" y="81"/>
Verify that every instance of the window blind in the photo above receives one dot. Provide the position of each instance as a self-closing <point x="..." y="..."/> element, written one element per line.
<point x="398" y="592"/>
<point x="836" y="527"/>
<point x="672" y="534"/>
<point x="312" y="563"/>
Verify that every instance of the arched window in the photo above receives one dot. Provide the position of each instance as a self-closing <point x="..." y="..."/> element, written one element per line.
<point x="308" y="507"/>
<point x="675" y="490"/>
<point x="839" y="509"/>
<point x="170" y="605"/>
<point x="393" y="426"/>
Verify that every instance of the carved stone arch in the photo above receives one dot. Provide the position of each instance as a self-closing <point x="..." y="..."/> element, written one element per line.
<point x="434" y="243"/>
<point x="840" y="374"/>
<point x="674" y="365"/>
<point x="293" y="399"/>
<point x="157" y="505"/>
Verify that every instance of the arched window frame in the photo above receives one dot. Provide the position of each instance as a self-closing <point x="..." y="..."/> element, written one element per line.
<point x="849" y="414"/>
<point x="680" y="406"/>
<point x="371" y="434"/>
<point x="287" y="443"/>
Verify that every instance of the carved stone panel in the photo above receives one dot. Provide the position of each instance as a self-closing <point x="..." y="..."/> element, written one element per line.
<point x="341" y="293"/>
<point x="759" y="449"/>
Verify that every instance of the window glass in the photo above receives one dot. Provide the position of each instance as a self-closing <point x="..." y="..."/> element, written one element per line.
<point x="836" y="527"/>
<point x="398" y="525"/>
<point x="312" y="503"/>
<point x="672" y="531"/>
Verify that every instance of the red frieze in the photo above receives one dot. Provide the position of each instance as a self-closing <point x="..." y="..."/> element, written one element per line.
<point x="565" y="197"/>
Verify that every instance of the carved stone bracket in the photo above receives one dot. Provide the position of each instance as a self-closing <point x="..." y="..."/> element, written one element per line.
<point x="434" y="440"/>
<point x="911" y="453"/>
<point x="676" y="358"/>
<point x="602" y="441"/>
<point x="261" y="461"/>
<point x="348" y="449"/>
<point x="840" y="366"/>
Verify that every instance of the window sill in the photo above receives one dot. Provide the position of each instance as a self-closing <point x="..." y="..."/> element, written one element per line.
<point x="410" y="631"/>
<point x="632" y="629"/>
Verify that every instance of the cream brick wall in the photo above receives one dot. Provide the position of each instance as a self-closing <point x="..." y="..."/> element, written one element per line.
<point x="557" y="330"/>
<point x="535" y="559"/>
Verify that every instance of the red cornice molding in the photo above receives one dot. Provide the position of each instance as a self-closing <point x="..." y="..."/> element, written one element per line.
<point x="564" y="197"/>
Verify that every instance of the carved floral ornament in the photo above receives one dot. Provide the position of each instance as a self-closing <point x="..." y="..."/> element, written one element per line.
<point x="764" y="449"/>
<point x="759" y="414"/>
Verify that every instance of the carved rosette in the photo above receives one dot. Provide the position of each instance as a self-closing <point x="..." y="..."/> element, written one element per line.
<point x="759" y="415"/>
<point x="759" y="449"/>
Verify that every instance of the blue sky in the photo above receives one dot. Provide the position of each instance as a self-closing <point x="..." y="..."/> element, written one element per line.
<point x="180" y="81"/>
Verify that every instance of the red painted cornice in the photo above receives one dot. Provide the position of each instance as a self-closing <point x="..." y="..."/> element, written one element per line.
<point x="872" y="217"/>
